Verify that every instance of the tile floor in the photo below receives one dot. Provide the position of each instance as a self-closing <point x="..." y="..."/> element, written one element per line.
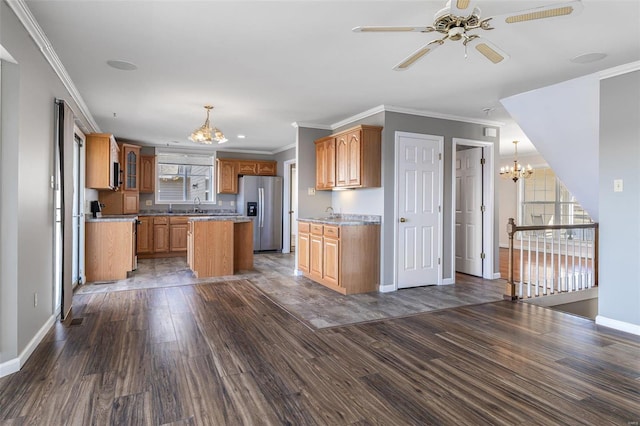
<point x="313" y="304"/>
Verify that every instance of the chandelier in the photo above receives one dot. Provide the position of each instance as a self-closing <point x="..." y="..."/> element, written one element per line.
<point x="516" y="171"/>
<point x="207" y="135"/>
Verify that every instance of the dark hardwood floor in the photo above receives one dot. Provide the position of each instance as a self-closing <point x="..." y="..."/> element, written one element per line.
<point x="222" y="353"/>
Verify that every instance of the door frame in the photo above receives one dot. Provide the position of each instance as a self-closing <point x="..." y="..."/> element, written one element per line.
<point x="286" y="201"/>
<point x="396" y="215"/>
<point x="81" y="201"/>
<point x="488" y="218"/>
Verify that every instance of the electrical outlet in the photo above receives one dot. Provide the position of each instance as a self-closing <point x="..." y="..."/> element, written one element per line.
<point x="617" y="185"/>
<point x="35" y="299"/>
<point x="232" y="203"/>
<point x="311" y="191"/>
<point x="219" y="202"/>
<point x="148" y="203"/>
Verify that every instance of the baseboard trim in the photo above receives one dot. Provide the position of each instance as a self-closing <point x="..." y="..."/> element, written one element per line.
<point x="618" y="325"/>
<point x="497" y="276"/>
<point x="448" y="281"/>
<point x="10" y="367"/>
<point x="388" y="288"/>
<point x="14" y="365"/>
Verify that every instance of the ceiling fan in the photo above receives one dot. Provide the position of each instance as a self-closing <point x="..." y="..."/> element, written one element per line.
<point x="459" y="17"/>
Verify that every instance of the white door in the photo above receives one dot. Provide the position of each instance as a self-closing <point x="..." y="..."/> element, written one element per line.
<point x="419" y="195"/>
<point x="468" y="207"/>
<point x="78" y="208"/>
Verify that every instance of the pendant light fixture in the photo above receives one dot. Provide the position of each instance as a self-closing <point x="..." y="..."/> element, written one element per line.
<point x="516" y="171"/>
<point x="207" y="135"/>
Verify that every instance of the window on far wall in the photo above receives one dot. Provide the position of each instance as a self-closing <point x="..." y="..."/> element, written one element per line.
<point x="183" y="177"/>
<point x="546" y="201"/>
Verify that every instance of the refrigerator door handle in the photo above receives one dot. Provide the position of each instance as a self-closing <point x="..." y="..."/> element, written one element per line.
<point x="261" y="207"/>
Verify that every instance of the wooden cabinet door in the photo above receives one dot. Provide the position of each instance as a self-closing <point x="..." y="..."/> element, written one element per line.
<point x="354" y="155"/>
<point x="227" y="177"/>
<point x="178" y="237"/>
<point x="331" y="260"/>
<point x="160" y="237"/>
<point x="130" y="202"/>
<point x="321" y="166"/>
<point x="130" y="167"/>
<point x="266" y="168"/>
<point x="145" y="235"/>
<point x="247" y="168"/>
<point x="98" y="169"/>
<point x="147" y="173"/>
<point x="342" y="160"/>
<point x="303" y="252"/>
<point x="315" y="256"/>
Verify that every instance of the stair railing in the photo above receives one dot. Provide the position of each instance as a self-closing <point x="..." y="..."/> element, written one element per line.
<point x="559" y="258"/>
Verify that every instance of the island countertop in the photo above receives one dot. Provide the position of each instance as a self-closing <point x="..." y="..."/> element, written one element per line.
<point x="236" y="219"/>
<point x="111" y="218"/>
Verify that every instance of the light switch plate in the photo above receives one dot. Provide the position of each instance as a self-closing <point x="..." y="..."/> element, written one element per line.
<point x="311" y="191"/>
<point x="617" y="185"/>
<point x="232" y="203"/>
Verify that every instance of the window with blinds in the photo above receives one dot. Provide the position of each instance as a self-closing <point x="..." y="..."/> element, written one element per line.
<point x="183" y="177"/>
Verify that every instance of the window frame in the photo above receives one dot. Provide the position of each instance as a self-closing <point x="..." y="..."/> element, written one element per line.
<point x="194" y="162"/>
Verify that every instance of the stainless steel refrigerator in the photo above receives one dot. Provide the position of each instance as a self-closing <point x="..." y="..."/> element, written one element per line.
<point x="260" y="197"/>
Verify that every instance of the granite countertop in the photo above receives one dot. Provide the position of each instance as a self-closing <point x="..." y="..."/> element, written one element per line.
<point x="189" y="213"/>
<point x="344" y="220"/>
<point x="220" y="218"/>
<point x="111" y="218"/>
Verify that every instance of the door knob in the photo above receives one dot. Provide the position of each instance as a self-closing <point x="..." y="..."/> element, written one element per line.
<point x="402" y="219"/>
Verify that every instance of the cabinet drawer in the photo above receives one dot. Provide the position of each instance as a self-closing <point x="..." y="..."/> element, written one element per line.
<point x="316" y="229"/>
<point x="303" y="227"/>
<point x="332" y="231"/>
<point x="178" y="219"/>
<point x="160" y="220"/>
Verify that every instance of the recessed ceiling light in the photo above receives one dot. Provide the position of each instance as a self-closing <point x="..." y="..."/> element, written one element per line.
<point x="587" y="58"/>
<point x="122" y="65"/>
<point x="241" y="136"/>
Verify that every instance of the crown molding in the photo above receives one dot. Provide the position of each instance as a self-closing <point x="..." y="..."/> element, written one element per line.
<point x="29" y="22"/>
<point x="298" y="124"/>
<point x="358" y="117"/>
<point x="619" y="70"/>
<point x="432" y="114"/>
<point x="284" y="148"/>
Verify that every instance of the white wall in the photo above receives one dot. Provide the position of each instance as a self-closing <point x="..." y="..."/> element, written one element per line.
<point x="562" y="122"/>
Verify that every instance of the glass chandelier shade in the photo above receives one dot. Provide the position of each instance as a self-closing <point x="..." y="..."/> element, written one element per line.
<point x="207" y="135"/>
<point x="516" y="171"/>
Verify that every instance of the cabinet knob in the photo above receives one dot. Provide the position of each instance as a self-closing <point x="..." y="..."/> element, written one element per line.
<point x="402" y="219"/>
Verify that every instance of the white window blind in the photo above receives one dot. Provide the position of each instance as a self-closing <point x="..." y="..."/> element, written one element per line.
<point x="183" y="177"/>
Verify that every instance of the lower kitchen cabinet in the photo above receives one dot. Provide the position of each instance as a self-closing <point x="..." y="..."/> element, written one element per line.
<point x="145" y="235"/>
<point x="162" y="236"/>
<point x="344" y="258"/>
<point x="178" y="234"/>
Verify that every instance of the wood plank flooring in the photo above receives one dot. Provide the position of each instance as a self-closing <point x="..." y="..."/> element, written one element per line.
<point x="224" y="354"/>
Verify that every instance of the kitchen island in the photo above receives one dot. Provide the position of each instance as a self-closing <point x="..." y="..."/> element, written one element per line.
<point x="341" y="252"/>
<point x="219" y="245"/>
<point x="109" y="247"/>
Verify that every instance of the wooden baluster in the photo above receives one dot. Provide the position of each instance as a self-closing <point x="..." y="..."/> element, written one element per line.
<point x="510" y="290"/>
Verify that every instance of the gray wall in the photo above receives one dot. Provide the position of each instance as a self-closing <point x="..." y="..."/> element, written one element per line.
<point x="28" y="154"/>
<point x="309" y="205"/>
<point x="619" y="278"/>
<point x="281" y="157"/>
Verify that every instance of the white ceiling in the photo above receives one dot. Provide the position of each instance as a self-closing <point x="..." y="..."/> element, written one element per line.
<point x="266" y="64"/>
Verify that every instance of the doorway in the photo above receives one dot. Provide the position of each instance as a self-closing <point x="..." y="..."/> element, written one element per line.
<point x="472" y="209"/>
<point x="290" y="207"/>
<point x="78" y="207"/>
<point x="418" y="216"/>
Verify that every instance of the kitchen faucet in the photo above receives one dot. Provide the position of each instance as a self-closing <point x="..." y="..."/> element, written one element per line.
<point x="330" y="210"/>
<point x="196" y="208"/>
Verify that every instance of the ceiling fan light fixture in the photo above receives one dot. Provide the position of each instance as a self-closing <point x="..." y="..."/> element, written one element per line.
<point x="489" y="53"/>
<point x="205" y="134"/>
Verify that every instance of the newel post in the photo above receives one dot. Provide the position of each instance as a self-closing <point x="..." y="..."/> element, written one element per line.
<point x="510" y="290"/>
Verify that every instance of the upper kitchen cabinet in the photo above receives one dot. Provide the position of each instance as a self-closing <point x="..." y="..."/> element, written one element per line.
<point x="147" y="173"/>
<point x="229" y="169"/>
<point x="353" y="162"/>
<point x="130" y="167"/>
<point x="326" y="163"/>
<point x="102" y="154"/>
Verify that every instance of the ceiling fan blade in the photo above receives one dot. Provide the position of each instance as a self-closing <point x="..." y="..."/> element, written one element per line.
<point x="393" y="29"/>
<point x="488" y="49"/>
<point x="544" y="12"/>
<point x="409" y="60"/>
<point x="462" y="7"/>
